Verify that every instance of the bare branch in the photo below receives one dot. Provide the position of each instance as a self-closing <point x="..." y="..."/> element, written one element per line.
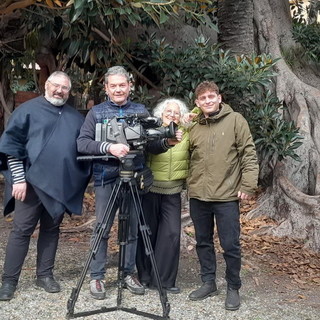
<point x="3" y="101"/>
<point x="16" y="5"/>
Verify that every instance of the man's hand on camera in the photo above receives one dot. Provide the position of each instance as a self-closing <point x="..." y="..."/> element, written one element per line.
<point x="174" y="141"/>
<point x="19" y="191"/>
<point x="119" y="150"/>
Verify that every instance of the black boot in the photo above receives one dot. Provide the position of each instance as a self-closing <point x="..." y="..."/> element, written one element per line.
<point x="232" y="299"/>
<point x="6" y="291"/>
<point x="49" y="284"/>
<point x="207" y="289"/>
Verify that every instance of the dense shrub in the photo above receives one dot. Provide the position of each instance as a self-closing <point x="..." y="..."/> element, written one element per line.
<point x="245" y="83"/>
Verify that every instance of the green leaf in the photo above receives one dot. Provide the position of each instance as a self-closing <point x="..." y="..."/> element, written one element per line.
<point x="74" y="47"/>
<point x="163" y="17"/>
<point x="79" y="4"/>
<point x="76" y="15"/>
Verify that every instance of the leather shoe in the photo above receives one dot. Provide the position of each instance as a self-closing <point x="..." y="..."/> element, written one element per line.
<point x="207" y="289"/>
<point x="48" y="284"/>
<point x="232" y="300"/>
<point x="6" y="291"/>
<point x="173" y="290"/>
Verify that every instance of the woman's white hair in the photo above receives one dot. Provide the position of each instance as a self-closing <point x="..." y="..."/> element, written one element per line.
<point x="159" y="108"/>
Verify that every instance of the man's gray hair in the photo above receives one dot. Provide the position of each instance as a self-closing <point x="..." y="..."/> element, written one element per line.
<point x="117" y="70"/>
<point x="158" y="110"/>
<point x="59" y="74"/>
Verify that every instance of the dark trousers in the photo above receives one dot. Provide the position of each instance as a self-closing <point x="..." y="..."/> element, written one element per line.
<point x="163" y="216"/>
<point x="227" y="218"/>
<point x="26" y="217"/>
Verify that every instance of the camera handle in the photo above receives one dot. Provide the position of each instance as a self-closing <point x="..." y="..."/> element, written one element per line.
<point x="124" y="186"/>
<point x="117" y="133"/>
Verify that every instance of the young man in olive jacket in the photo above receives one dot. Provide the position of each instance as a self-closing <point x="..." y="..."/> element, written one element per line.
<point x="223" y="170"/>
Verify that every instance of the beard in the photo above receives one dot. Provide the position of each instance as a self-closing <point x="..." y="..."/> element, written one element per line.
<point x="56" y="101"/>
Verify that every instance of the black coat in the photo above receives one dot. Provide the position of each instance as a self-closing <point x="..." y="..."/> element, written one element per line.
<point x="44" y="137"/>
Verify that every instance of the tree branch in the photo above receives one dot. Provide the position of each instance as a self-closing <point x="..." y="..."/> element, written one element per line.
<point x="3" y="101"/>
<point x="9" y="8"/>
<point x="134" y="69"/>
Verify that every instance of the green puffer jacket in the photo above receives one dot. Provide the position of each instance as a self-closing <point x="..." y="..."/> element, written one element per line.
<point x="223" y="157"/>
<point x="172" y="164"/>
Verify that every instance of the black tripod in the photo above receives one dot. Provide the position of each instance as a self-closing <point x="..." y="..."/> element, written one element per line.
<point x="126" y="190"/>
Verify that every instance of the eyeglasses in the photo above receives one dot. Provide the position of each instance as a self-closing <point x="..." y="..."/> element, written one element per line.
<point x="63" y="88"/>
<point x="172" y="113"/>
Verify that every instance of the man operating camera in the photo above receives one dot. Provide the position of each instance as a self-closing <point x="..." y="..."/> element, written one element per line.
<point x="105" y="173"/>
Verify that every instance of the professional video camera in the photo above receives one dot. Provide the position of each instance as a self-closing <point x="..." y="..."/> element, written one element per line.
<point x="135" y="130"/>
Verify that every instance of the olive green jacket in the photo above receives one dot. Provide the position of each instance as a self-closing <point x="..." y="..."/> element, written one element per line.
<point x="223" y="157"/>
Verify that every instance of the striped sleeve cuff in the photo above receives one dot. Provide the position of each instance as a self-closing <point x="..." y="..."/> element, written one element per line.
<point x="17" y="170"/>
<point x="104" y="147"/>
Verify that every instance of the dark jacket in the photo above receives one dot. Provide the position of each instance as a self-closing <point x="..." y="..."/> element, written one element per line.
<point x="105" y="172"/>
<point x="43" y="136"/>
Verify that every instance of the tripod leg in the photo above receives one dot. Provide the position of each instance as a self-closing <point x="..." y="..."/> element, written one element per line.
<point x="101" y="228"/>
<point x="148" y="247"/>
<point x="123" y="231"/>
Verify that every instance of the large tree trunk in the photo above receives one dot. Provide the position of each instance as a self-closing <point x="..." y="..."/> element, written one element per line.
<point x="293" y="199"/>
<point x="235" y="24"/>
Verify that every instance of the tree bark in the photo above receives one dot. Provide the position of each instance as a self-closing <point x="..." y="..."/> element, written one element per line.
<point x="235" y="23"/>
<point x="294" y="197"/>
<point x="6" y="96"/>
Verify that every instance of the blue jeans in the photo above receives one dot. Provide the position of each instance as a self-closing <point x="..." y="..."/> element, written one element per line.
<point x="98" y="263"/>
<point x="227" y="217"/>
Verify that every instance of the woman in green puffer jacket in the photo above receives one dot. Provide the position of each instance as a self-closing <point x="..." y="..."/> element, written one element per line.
<point x="162" y="205"/>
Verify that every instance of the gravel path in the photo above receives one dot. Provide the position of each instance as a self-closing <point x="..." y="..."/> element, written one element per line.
<point x="263" y="296"/>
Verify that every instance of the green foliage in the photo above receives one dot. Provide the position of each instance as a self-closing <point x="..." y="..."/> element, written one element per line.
<point x="298" y="11"/>
<point x="17" y="85"/>
<point x="142" y="94"/>
<point x="93" y="29"/>
<point x="306" y="29"/>
<point x="275" y="138"/>
<point x="22" y="73"/>
<point x="244" y="81"/>
<point x="89" y="36"/>
<point x="309" y="37"/>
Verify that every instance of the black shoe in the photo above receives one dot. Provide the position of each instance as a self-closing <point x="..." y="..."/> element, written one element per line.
<point x="6" y="291"/>
<point x="173" y="290"/>
<point x="48" y="284"/>
<point x="207" y="289"/>
<point x="232" y="300"/>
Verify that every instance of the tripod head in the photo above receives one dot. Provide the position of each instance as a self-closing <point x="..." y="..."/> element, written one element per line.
<point x="143" y="177"/>
<point x="127" y="171"/>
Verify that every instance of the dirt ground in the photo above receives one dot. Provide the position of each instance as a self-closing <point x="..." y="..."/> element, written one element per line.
<point x="273" y="269"/>
<point x="270" y="265"/>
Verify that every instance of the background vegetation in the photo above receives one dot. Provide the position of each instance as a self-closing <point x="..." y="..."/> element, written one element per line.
<point x="85" y="37"/>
